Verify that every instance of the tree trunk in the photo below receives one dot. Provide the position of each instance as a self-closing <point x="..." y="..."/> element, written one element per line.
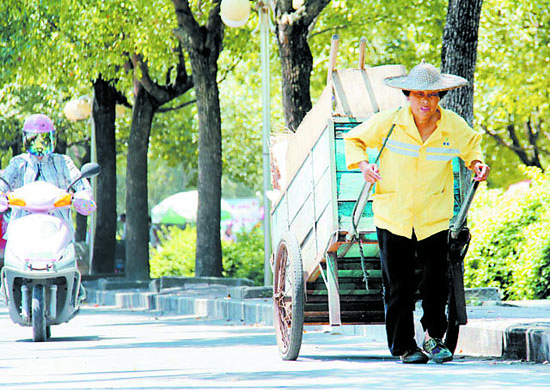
<point x="137" y="221"/>
<point x="208" y="261"/>
<point x="459" y="53"/>
<point x="458" y="57"/>
<point x="296" y="67"/>
<point x="104" y="105"/>
<point x="204" y="44"/>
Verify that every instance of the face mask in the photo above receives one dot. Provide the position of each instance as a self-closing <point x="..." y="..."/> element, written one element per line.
<point x="39" y="144"/>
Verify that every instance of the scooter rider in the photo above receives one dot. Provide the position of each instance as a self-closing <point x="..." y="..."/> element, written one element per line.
<point x="39" y="162"/>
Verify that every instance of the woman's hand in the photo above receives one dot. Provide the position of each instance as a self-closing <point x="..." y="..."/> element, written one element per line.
<point x="481" y="170"/>
<point x="370" y="172"/>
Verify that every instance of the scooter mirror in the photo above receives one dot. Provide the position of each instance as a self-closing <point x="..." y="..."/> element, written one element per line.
<point x="88" y="170"/>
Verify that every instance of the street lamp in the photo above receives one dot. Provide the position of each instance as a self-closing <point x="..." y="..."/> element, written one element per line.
<point x="234" y="13"/>
<point x="75" y="110"/>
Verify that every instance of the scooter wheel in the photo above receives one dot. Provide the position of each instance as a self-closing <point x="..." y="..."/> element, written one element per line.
<point x="39" y="313"/>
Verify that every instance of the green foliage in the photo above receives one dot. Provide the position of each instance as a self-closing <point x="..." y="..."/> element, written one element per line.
<point x="176" y="255"/>
<point x="244" y="258"/>
<point x="510" y="248"/>
<point x="511" y="86"/>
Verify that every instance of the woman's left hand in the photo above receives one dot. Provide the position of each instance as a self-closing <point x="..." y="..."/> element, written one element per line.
<point x="481" y="170"/>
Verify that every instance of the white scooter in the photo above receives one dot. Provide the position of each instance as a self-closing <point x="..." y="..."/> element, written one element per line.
<point x="40" y="278"/>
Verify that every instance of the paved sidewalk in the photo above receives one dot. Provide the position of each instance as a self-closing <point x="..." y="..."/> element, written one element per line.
<point x="515" y="330"/>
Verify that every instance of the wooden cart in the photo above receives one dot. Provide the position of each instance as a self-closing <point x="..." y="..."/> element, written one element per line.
<point x="319" y="276"/>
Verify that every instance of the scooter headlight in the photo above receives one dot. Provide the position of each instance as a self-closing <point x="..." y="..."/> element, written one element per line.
<point x="13" y="201"/>
<point x="64" y="201"/>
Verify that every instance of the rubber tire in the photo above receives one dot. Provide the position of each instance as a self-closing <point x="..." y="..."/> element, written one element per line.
<point x="39" y="313"/>
<point x="288" y="283"/>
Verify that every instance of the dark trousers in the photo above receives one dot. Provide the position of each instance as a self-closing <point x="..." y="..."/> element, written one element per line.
<point x="399" y="257"/>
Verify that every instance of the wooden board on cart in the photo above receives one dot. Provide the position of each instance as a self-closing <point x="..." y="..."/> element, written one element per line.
<point x="319" y="197"/>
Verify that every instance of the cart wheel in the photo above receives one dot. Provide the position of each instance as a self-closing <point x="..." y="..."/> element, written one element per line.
<point x="451" y="336"/>
<point x="288" y="298"/>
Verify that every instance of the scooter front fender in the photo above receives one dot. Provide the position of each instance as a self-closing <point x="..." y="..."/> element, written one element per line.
<point x="65" y="293"/>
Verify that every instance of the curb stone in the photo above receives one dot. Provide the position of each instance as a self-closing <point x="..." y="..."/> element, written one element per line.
<point x="491" y="330"/>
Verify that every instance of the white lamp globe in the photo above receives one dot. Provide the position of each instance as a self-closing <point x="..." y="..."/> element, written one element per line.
<point x="234" y="13"/>
<point x="78" y="109"/>
<point x="297" y="3"/>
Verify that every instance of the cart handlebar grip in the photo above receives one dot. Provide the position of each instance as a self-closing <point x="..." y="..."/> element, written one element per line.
<point x="461" y="217"/>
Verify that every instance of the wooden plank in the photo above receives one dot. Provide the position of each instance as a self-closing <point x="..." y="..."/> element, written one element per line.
<point x="345" y="209"/>
<point x="343" y="105"/>
<point x="368" y="87"/>
<point x="334" y="197"/>
<point x="323" y="199"/>
<point x="279" y="222"/>
<point x="320" y="156"/>
<point x="333" y="291"/>
<point x="332" y="56"/>
<point x="356" y="288"/>
<point x="371" y="291"/>
<point x="312" y="126"/>
<point x="357" y="299"/>
<point x="359" y="101"/>
<point x="369" y="250"/>
<point x="362" y="48"/>
<point x="349" y="185"/>
<point x="340" y="156"/>
<point x="300" y="189"/>
<point x="355" y="263"/>
<point x="308" y="250"/>
<point x="304" y="221"/>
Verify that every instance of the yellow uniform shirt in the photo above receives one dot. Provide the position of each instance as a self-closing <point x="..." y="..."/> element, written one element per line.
<point x="416" y="189"/>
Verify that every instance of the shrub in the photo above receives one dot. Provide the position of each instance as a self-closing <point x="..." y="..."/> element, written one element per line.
<point x="245" y="257"/>
<point x="175" y="256"/>
<point x="510" y="245"/>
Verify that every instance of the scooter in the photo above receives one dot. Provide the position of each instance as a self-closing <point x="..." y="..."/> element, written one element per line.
<point x="40" y="278"/>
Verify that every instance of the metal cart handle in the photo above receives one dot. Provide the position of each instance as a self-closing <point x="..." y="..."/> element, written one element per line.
<point x="461" y="217"/>
<point x="364" y="195"/>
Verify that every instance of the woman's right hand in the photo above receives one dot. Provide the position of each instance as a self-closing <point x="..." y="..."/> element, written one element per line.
<point x="370" y="172"/>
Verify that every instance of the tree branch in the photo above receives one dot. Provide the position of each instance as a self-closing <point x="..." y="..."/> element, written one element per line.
<point x="159" y="93"/>
<point x="184" y="104"/>
<point x="187" y="25"/>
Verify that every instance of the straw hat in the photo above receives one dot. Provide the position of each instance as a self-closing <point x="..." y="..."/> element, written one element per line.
<point x="425" y="77"/>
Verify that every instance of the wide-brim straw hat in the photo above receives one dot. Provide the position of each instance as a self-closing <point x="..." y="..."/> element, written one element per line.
<point x="426" y="77"/>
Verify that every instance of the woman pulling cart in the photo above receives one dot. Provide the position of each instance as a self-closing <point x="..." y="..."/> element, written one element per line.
<point x="413" y="202"/>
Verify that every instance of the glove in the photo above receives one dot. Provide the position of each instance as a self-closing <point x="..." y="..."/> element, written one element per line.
<point x="83" y="202"/>
<point x="3" y="202"/>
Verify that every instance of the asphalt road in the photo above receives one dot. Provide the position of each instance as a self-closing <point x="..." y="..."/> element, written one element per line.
<point x="104" y="348"/>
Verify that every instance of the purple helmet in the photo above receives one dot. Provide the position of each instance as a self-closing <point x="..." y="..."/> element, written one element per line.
<point x="38" y="135"/>
<point x="38" y="123"/>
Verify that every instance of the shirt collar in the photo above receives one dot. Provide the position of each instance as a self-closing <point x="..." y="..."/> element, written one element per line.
<point x="405" y="119"/>
<point x="34" y="159"/>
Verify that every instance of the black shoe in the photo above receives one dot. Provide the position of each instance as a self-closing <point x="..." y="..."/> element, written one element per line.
<point x="415" y="356"/>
